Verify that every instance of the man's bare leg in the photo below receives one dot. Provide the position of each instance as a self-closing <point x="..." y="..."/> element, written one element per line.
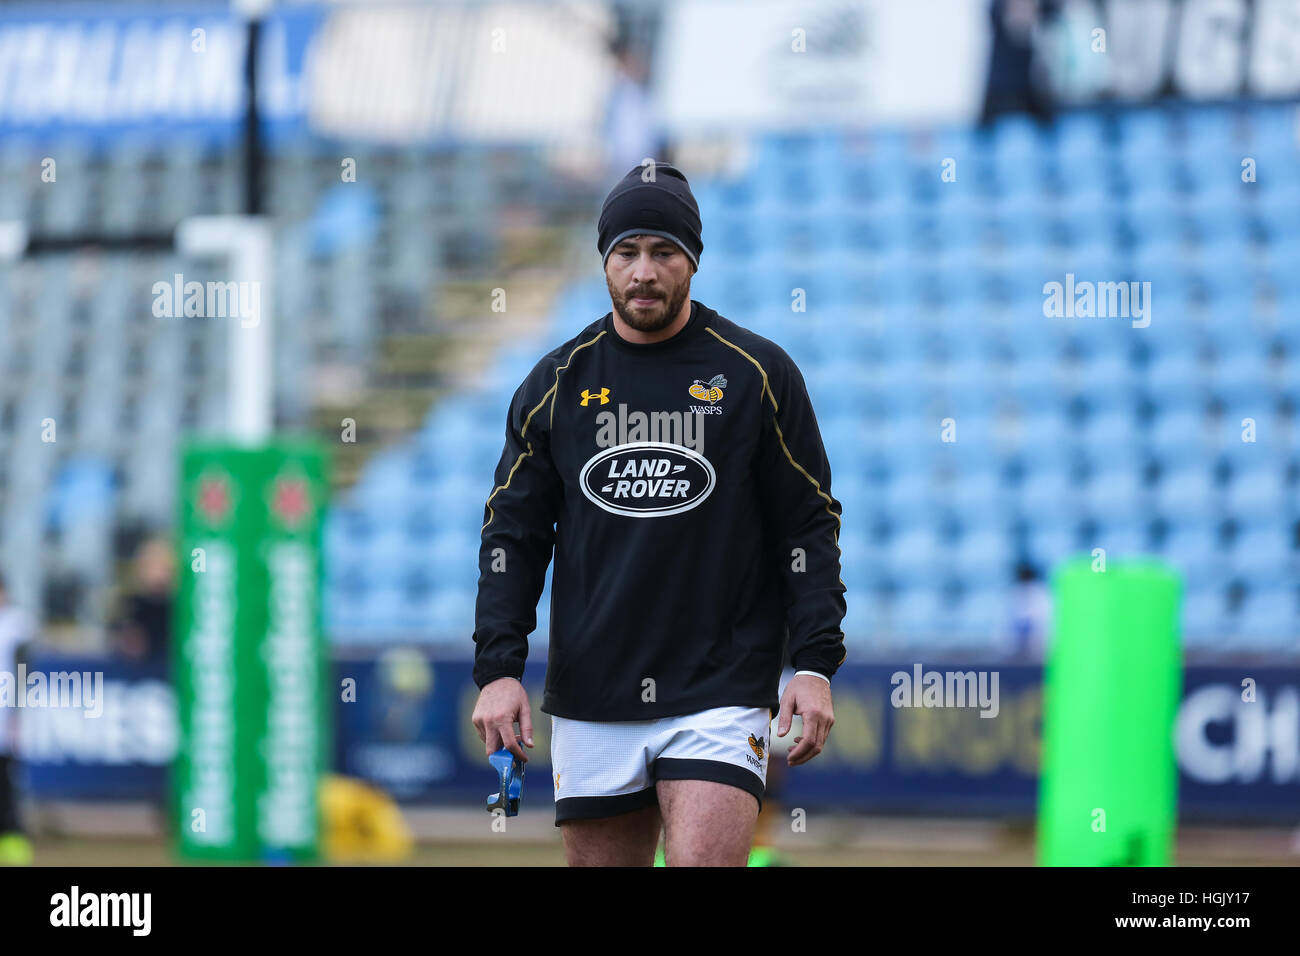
<point x="706" y="823"/>
<point x="629" y="839"/>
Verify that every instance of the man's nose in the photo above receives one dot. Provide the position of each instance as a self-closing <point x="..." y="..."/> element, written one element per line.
<point x="644" y="271"/>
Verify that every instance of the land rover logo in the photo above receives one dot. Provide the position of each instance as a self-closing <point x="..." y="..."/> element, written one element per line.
<point x="647" y="479"/>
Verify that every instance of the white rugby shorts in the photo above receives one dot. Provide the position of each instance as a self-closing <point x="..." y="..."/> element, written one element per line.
<point x="604" y="768"/>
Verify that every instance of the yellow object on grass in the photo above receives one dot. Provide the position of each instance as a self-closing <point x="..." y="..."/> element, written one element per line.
<point x="15" y="850"/>
<point x="361" y="824"/>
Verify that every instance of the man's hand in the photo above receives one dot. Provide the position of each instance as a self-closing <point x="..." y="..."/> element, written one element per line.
<point x="500" y="704"/>
<point x="810" y="698"/>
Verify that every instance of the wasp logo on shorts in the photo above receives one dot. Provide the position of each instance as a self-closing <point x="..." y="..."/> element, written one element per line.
<point x="711" y="392"/>
<point x="647" y="479"/>
<point x="756" y="744"/>
<point x="588" y="395"/>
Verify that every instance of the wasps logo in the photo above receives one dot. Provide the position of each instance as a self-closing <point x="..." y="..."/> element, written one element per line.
<point x="756" y="744"/>
<point x="588" y="395"/>
<point x="710" y="391"/>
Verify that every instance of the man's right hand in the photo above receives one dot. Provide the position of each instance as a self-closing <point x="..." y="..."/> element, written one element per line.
<point x="500" y="704"/>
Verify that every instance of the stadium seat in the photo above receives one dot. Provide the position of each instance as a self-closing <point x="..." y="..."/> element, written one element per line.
<point x="1262" y="552"/>
<point x="1193" y="547"/>
<point x="1269" y="619"/>
<point x="1205" y="623"/>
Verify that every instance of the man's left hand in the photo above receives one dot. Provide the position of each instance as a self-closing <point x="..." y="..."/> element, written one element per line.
<point x="810" y="698"/>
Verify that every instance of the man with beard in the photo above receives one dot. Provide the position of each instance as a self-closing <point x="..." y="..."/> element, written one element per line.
<point x="671" y="459"/>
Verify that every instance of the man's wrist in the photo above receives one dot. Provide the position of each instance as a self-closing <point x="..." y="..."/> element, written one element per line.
<point x="497" y="677"/>
<point x="814" y="674"/>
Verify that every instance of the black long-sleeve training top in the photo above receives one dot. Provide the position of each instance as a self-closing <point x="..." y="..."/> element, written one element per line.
<point x="685" y="490"/>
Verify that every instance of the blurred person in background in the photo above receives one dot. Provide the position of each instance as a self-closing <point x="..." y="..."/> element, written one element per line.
<point x="142" y="630"/>
<point x="1031" y="614"/>
<point x="1013" y="85"/>
<point x="631" y="128"/>
<point x="16" y="631"/>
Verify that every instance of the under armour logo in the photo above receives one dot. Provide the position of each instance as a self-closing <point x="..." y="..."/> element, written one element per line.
<point x="587" y="396"/>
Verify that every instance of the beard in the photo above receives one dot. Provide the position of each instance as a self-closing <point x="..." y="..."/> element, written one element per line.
<point x="651" y="318"/>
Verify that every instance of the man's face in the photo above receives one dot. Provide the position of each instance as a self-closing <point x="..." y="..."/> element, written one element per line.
<point x="649" y="280"/>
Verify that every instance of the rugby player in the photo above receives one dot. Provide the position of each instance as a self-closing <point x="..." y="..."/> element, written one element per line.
<point x="671" y="460"/>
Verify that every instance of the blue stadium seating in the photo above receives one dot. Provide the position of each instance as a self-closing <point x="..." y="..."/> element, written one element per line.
<point x="924" y="300"/>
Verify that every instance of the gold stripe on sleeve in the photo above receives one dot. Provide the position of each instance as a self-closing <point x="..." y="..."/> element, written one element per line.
<point x="555" y="388"/>
<point x="767" y="390"/>
<point x="550" y="394"/>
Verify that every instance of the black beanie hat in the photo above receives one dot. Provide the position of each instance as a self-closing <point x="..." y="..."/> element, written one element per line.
<point x="663" y="207"/>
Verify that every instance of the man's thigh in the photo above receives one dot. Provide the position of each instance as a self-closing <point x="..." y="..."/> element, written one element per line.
<point x="709" y="779"/>
<point x="604" y="796"/>
<point x="629" y="839"/>
<point x="706" y="823"/>
<point x="709" y="765"/>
